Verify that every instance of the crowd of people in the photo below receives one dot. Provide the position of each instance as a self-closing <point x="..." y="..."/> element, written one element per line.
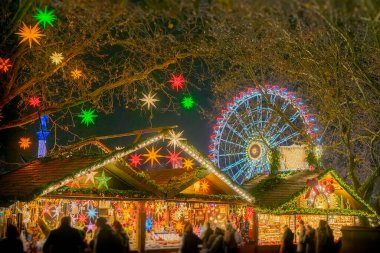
<point x="212" y="241"/>
<point x="310" y="240"/>
<point x="68" y="239"/>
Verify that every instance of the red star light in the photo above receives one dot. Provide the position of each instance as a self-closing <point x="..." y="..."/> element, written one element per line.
<point x="177" y="82"/>
<point x="34" y="101"/>
<point x="135" y="159"/>
<point x="82" y="218"/>
<point x="174" y="158"/>
<point x="5" y="64"/>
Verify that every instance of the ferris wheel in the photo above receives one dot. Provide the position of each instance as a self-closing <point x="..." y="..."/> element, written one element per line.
<point x="254" y="123"/>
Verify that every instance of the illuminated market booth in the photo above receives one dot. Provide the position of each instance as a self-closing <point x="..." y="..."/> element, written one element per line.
<point x="288" y="197"/>
<point x="152" y="188"/>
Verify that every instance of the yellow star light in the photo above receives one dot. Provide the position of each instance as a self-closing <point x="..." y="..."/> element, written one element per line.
<point x="24" y="143"/>
<point x="76" y="74"/>
<point x="90" y="177"/>
<point x="29" y="33"/>
<point x="179" y="226"/>
<point x="188" y="164"/>
<point x="56" y="58"/>
<point x="152" y="156"/>
<point x="205" y="186"/>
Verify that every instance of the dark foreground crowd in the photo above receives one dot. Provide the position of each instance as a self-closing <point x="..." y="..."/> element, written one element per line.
<point x="310" y="240"/>
<point x="68" y="239"/>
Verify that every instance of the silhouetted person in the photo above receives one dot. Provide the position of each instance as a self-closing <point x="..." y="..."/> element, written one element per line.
<point x="301" y="237"/>
<point x="64" y="239"/>
<point x="123" y="236"/>
<point x="324" y="242"/>
<point x="232" y="239"/>
<point x="310" y="239"/>
<point x="190" y="241"/>
<point x="287" y="241"/>
<point x="206" y="234"/>
<point x="106" y="240"/>
<point x="12" y="242"/>
<point x="217" y="243"/>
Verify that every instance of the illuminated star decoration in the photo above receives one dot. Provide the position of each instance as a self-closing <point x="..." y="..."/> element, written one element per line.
<point x="5" y="64"/>
<point x="149" y="100"/>
<point x="87" y="116"/>
<point x="177" y="82"/>
<point x="174" y="138"/>
<point x="75" y="183"/>
<point x="29" y="33"/>
<point x="90" y="177"/>
<point x="82" y="218"/>
<point x="152" y="156"/>
<point x="204" y="186"/>
<point x="24" y="142"/>
<point x="34" y="101"/>
<point x="103" y="180"/>
<point x="91" y="213"/>
<point x="135" y="159"/>
<point x="174" y="158"/>
<point x="90" y="227"/>
<point x="188" y="164"/>
<point x="76" y="74"/>
<point x="46" y="210"/>
<point x="56" y="58"/>
<point x="45" y="17"/>
<point x="179" y="226"/>
<point x="188" y="102"/>
<point x="56" y="211"/>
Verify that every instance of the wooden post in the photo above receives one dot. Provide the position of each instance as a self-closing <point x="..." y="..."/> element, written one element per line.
<point x="256" y="229"/>
<point x="141" y="230"/>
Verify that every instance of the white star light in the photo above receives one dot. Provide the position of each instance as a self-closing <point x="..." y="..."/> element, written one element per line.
<point x="149" y="100"/>
<point x="56" y="58"/>
<point x="174" y="138"/>
<point x="56" y="211"/>
<point x="90" y="177"/>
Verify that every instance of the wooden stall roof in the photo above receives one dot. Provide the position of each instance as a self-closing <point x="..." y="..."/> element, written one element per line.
<point x="28" y="181"/>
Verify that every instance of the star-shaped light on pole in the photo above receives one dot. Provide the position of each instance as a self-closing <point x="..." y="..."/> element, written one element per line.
<point x="135" y="159"/>
<point x="188" y="164"/>
<point x="175" y="138"/>
<point x="56" y="58"/>
<point x="152" y="156"/>
<point x="34" y="101"/>
<point x="174" y="158"/>
<point x="177" y="82"/>
<point x="103" y="180"/>
<point x="5" y="64"/>
<point x="45" y="17"/>
<point x="30" y="34"/>
<point x="149" y="100"/>
<point x="87" y="116"/>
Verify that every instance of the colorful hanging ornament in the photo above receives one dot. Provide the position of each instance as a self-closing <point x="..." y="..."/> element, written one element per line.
<point x="56" y="58"/>
<point x="90" y="227"/>
<point x="174" y="158"/>
<point x="24" y="143"/>
<point x="76" y="74"/>
<point x="87" y="116"/>
<point x="56" y="211"/>
<point x="103" y="180"/>
<point x="188" y="164"/>
<point x="91" y="213"/>
<point x="90" y="177"/>
<point x="46" y="210"/>
<point x="135" y="159"/>
<point x="30" y="34"/>
<point x="148" y="224"/>
<point x="187" y="102"/>
<point x="5" y="64"/>
<point x="152" y="156"/>
<point x="177" y="82"/>
<point x="45" y="17"/>
<point x="82" y="218"/>
<point x="34" y="101"/>
<point x="149" y="100"/>
<point x="175" y="138"/>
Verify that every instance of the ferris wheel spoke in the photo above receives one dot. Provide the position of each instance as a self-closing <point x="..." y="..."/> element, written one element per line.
<point x="232" y="154"/>
<point x="232" y="143"/>
<point x="285" y="139"/>
<point x="240" y="171"/>
<point x="242" y="125"/>
<point x="259" y="108"/>
<point x="234" y="131"/>
<point x="235" y="164"/>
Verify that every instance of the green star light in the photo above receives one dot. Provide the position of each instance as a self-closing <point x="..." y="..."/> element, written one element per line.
<point x="45" y="17"/>
<point x="87" y="116"/>
<point x="103" y="180"/>
<point x="188" y="102"/>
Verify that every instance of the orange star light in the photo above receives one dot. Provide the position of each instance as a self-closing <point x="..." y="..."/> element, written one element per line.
<point x="5" y="64"/>
<point x="205" y="186"/>
<point x="188" y="164"/>
<point x="29" y="33"/>
<point x="24" y="143"/>
<point x="76" y="74"/>
<point x="152" y="156"/>
<point x="179" y="226"/>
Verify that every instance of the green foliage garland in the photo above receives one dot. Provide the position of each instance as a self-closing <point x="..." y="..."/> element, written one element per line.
<point x="274" y="160"/>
